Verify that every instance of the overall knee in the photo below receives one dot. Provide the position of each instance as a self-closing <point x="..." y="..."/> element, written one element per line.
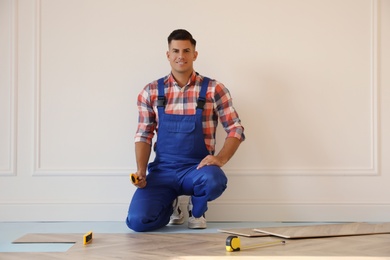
<point x="145" y="220"/>
<point x="135" y="223"/>
<point x="215" y="179"/>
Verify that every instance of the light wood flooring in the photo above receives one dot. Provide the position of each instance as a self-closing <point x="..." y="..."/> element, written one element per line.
<point x="207" y="246"/>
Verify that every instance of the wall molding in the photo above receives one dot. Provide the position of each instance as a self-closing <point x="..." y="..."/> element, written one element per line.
<point x="38" y="169"/>
<point x="13" y="54"/>
<point x="63" y="211"/>
<point x="373" y="170"/>
<point x="299" y="212"/>
<point x="37" y="87"/>
<point x="255" y="211"/>
<point x="83" y="172"/>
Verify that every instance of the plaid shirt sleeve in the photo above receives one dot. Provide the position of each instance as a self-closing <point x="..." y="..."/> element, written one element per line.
<point x="227" y="114"/>
<point x="146" y="116"/>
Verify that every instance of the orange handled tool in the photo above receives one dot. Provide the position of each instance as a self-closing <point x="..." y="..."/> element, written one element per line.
<point x="134" y="178"/>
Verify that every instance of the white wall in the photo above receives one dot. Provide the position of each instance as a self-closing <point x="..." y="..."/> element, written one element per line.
<point x="308" y="78"/>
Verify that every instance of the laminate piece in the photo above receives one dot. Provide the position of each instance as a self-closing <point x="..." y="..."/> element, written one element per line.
<point x="245" y="232"/>
<point x="49" y="238"/>
<point x="327" y="230"/>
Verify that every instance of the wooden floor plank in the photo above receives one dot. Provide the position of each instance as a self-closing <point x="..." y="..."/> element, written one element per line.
<point x="205" y="246"/>
<point x="327" y="230"/>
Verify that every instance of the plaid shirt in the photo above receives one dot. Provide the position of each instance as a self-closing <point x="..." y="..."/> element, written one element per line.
<point x="183" y="101"/>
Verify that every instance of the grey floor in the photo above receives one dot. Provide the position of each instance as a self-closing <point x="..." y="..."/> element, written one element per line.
<point x="10" y="231"/>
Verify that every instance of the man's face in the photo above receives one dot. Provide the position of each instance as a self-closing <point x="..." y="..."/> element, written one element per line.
<point x="181" y="55"/>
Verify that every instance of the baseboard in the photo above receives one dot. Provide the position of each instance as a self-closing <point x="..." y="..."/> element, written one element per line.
<point x="218" y="211"/>
<point x="228" y="211"/>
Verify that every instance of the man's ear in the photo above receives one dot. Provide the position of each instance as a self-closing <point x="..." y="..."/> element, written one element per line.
<point x="195" y="55"/>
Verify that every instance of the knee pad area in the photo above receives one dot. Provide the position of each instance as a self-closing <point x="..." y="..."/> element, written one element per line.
<point x="135" y="223"/>
<point x="214" y="178"/>
<point x="143" y="224"/>
<point x="142" y="221"/>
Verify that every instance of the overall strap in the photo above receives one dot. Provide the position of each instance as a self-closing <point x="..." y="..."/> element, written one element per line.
<point x="202" y="93"/>
<point x="161" y="101"/>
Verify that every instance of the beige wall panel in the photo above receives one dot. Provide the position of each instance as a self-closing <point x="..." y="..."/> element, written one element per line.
<point x="307" y="77"/>
<point x="306" y="90"/>
<point x="331" y="194"/>
<point x="308" y="99"/>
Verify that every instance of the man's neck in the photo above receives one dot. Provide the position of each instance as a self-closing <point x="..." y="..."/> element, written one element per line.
<point x="182" y="78"/>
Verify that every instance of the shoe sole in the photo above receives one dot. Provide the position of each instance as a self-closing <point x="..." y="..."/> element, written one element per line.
<point x="197" y="227"/>
<point x="176" y="222"/>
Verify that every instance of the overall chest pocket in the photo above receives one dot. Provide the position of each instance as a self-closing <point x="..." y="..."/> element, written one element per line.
<point x="179" y="137"/>
<point x="185" y="127"/>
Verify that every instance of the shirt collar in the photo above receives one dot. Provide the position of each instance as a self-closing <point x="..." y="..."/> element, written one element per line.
<point x="191" y="80"/>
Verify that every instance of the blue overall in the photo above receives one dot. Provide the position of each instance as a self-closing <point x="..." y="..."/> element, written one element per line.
<point x="179" y="149"/>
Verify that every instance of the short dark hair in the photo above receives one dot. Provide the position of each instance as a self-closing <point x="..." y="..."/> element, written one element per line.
<point x="181" y="34"/>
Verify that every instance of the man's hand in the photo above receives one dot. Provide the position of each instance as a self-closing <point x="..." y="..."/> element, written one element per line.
<point x="229" y="148"/>
<point x="211" y="160"/>
<point x="141" y="180"/>
<point x="142" y="154"/>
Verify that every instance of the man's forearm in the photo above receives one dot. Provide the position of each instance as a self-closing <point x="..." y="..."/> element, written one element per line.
<point x="142" y="154"/>
<point x="229" y="148"/>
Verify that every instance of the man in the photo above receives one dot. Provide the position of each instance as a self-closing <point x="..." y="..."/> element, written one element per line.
<point x="183" y="108"/>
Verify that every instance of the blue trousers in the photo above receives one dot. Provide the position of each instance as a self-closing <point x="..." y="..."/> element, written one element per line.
<point x="151" y="207"/>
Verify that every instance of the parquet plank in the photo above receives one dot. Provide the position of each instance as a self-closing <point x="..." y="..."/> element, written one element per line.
<point x="204" y="246"/>
<point x="327" y="230"/>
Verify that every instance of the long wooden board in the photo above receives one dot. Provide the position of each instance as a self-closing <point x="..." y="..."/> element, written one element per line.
<point x="327" y="230"/>
<point x="245" y="232"/>
<point x="49" y="238"/>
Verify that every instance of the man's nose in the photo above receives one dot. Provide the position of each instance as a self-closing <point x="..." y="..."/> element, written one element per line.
<point x="181" y="54"/>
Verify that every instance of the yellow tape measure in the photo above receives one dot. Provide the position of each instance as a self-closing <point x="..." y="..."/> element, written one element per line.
<point x="233" y="244"/>
<point x="134" y="178"/>
<point x="87" y="238"/>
